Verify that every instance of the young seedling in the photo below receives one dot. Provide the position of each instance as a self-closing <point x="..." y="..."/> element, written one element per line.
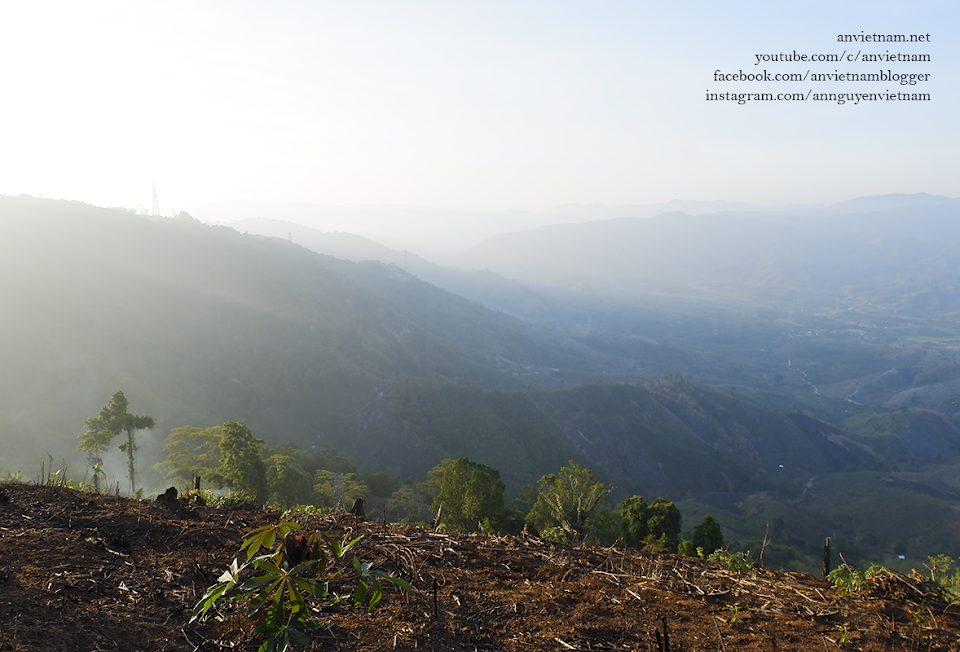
<point x="292" y="580"/>
<point x="734" y="613"/>
<point x="843" y="634"/>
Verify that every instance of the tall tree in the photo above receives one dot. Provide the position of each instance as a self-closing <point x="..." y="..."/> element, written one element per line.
<point x="100" y="430"/>
<point x="570" y="503"/>
<point x="94" y="441"/>
<point x="633" y="521"/>
<point x="708" y="535"/>
<point x="287" y="483"/>
<point x="470" y="493"/>
<point x="241" y="463"/>
<point x="409" y="504"/>
<point x="663" y="526"/>
<point x="191" y="451"/>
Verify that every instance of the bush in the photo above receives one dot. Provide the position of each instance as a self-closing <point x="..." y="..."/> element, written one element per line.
<point x="735" y="562"/>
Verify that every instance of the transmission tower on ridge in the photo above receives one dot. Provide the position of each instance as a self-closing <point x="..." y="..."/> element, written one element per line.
<point x="156" y="206"/>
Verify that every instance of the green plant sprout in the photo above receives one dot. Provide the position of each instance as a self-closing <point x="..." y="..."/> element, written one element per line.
<point x="734" y="612"/>
<point x="843" y="634"/>
<point x="293" y="581"/>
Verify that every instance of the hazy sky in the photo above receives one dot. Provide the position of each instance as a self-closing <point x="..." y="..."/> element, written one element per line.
<point x="476" y="105"/>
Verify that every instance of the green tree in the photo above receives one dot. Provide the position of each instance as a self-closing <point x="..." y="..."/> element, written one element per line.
<point x="99" y="432"/>
<point x="304" y="457"/>
<point x="241" y="465"/>
<point x="570" y="505"/>
<point x="94" y="441"/>
<point x="654" y="528"/>
<point x="191" y="451"/>
<point x="633" y="521"/>
<point x="663" y="526"/>
<point x="287" y="483"/>
<point x="325" y="489"/>
<point x="380" y="483"/>
<point x="331" y="459"/>
<point x="408" y="504"/>
<point x="708" y="535"/>
<point x="471" y="494"/>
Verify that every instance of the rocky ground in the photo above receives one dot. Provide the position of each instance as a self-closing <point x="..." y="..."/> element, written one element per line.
<point x="85" y="572"/>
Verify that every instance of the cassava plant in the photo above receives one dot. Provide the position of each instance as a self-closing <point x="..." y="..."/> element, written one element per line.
<point x="735" y="562"/>
<point x="293" y="581"/>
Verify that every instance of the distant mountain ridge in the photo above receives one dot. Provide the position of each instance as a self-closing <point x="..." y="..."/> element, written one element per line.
<point x="854" y="257"/>
<point x="438" y="233"/>
<point x="201" y="324"/>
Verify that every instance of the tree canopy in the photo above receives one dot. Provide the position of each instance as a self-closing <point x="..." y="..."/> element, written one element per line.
<point x="191" y="451"/>
<point x="570" y="503"/>
<point x="708" y="535"/>
<point x="241" y="465"/>
<point x="288" y="484"/>
<point x="470" y="493"/>
<point x="99" y="432"/>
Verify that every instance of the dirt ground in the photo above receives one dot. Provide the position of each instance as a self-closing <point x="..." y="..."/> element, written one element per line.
<point x="85" y="572"/>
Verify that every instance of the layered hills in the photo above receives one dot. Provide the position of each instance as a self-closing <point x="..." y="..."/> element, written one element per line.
<point x="901" y="260"/>
<point x="758" y="415"/>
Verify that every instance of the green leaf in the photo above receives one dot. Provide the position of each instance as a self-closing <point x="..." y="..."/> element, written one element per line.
<point x="210" y="598"/>
<point x="360" y="594"/>
<point x="301" y="637"/>
<point x="266" y="536"/>
<point x="375" y="600"/>
<point x="297" y="605"/>
<point x="262" y="597"/>
<point x="274" y="617"/>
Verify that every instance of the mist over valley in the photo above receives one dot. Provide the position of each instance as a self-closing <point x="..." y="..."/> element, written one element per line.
<point x="764" y="366"/>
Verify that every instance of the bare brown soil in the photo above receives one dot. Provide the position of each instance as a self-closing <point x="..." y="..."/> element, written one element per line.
<point x="84" y="572"/>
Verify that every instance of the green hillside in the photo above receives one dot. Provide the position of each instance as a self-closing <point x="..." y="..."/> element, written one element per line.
<point x="810" y="422"/>
<point x="198" y="324"/>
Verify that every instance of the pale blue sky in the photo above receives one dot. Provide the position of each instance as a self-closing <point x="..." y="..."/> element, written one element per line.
<point x="472" y="105"/>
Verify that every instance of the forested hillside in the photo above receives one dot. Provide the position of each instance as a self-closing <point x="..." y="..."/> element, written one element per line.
<point x="197" y="323"/>
<point x="752" y="416"/>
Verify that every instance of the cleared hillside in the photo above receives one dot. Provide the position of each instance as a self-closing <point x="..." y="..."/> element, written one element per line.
<point x="83" y="572"/>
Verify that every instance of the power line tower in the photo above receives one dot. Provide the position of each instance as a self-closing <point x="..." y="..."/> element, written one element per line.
<point x="156" y="206"/>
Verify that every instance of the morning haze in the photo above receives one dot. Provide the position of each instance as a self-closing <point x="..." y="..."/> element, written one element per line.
<point x="386" y="236"/>
<point x="712" y="358"/>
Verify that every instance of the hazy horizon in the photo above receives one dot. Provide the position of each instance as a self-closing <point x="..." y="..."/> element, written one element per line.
<point x="475" y="108"/>
<point x="440" y="234"/>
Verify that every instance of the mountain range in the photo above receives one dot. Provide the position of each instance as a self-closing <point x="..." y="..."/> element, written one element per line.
<point x="672" y="366"/>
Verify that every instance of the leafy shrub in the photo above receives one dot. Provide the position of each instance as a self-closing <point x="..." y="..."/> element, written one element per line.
<point x="848" y="580"/>
<point x="735" y="562"/>
<point x="292" y="581"/>
<point x="238" y="500"/>
<point x="687" y="549"/>
<point x="571" y="504"/>
<point x="303" y="514"/>
<point x="939" y="568"/>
